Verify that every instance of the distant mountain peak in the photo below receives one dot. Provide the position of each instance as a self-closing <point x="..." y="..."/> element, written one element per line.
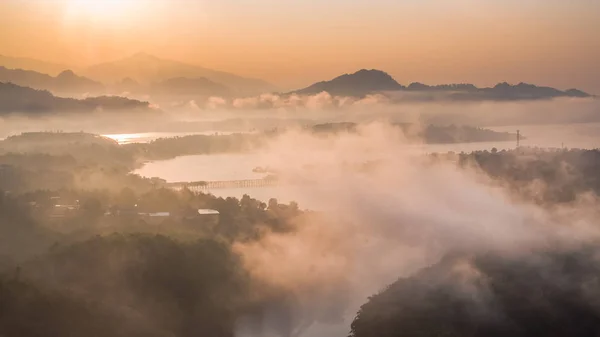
<point x="67" y="74"/>
<point x="360" y="83"/>
<point x="373" y="75"/>
<point x="371" y="71"/>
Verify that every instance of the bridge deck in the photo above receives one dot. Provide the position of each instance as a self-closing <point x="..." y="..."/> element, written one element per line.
<point x="200" y="186"/>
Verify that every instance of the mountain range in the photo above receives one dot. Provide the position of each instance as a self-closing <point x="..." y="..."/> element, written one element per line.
<point x="148" y="69"/>
<point x="167" y="82"/>
<point x="18" y="99"/>
<point x="32" y="64"/>
<point x="65" y="83"/>
<point x="141" y="68"/>
<point x="365" y="82"/>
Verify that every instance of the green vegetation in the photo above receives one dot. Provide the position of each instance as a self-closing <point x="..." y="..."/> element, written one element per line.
<point x="87" y="273"/>
<point x="540" y="175"/>
<point x="80" y="254"/>
<point x="167" y="148"/>
<point x="549" y="293"/>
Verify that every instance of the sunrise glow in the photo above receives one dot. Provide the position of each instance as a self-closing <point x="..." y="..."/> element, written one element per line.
<point x="106" y="11"/>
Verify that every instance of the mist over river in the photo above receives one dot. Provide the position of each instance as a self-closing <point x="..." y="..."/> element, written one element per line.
<point x="182" y="168"/>
<point x="240" y="166"/>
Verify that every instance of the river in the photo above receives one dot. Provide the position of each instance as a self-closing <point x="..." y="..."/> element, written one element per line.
<point x="240" y="166"/>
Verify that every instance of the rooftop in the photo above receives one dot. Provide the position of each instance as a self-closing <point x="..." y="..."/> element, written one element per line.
<point x="208" y="212"/>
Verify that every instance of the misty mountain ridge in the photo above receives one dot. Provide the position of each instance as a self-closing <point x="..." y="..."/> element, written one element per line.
<point x="365" y="82"/>
<point x="190" y="87"/>
<point x="178" y="88"/>
<point x="25" y="63"/>
<point x="127" y="85"/>
<point x="142" y="76"/>
<point x="65" y="83"/>
<point x="146" y="68"/>
<point x="18" y="99"/>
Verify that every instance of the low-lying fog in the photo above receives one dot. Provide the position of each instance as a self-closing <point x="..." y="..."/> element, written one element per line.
<point x="546" y="123"/>
<point x="194" y="119"/>
<point x="389" y="222"/>
<point x="377" y="226"/>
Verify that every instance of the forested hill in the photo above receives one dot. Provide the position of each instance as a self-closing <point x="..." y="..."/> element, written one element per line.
<point x="543" y="294"/>
<point x="22" y="100"/>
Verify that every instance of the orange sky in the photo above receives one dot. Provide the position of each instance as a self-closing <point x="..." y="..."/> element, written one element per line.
<point x="296" y="42"/>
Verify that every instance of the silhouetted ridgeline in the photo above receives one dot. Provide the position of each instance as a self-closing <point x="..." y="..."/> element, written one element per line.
<point x="357" y="84"/>
<point x="365" y="82"/>
<point x="17" y="99"/>
<point x="147" y="69"/>
<point x="142" y="74"/>
<point x="66" y="83"/>
<point x="25" y="63"/>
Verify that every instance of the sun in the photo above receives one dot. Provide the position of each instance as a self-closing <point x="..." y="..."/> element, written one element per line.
<point x="105" y="11"/>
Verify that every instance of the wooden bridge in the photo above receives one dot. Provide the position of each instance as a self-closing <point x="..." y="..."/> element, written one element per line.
<point x="204" y="186"/>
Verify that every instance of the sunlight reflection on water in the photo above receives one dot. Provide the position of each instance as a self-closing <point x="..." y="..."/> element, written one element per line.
<point x="146" y="137"/>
